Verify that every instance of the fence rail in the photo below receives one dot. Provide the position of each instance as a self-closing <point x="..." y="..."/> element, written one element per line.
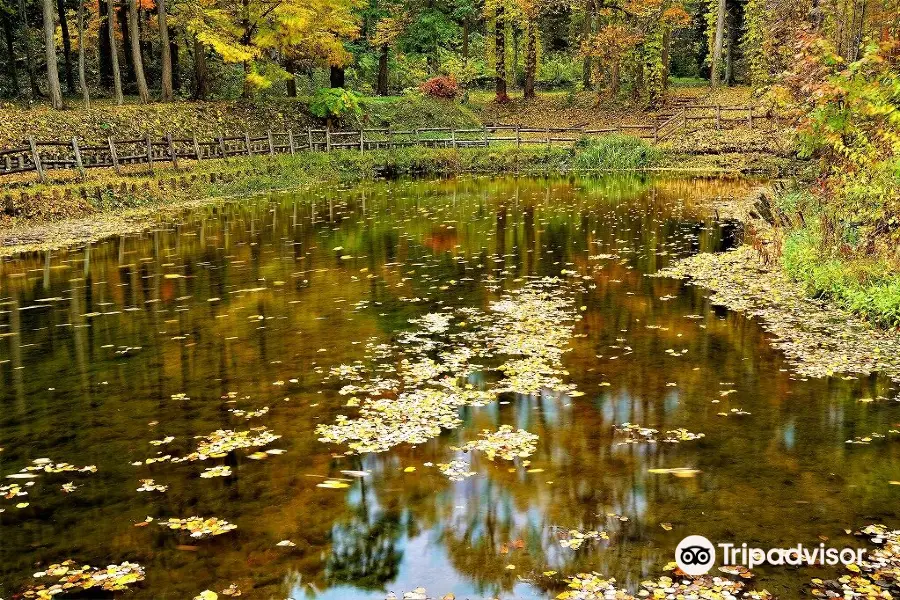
<point x="40" y="156"/>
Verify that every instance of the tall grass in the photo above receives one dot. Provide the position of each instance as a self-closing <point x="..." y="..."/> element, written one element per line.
<point x="615" y="152"/>
<point x="866" y="285"/>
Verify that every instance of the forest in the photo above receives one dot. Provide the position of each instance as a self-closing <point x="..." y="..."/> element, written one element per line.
<point x="66" y="52"/>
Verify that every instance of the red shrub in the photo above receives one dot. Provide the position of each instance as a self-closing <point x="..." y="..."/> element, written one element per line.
<point x="440" y="87"/>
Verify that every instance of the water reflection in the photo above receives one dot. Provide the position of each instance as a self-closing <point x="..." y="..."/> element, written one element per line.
<point x="248" y="304"/>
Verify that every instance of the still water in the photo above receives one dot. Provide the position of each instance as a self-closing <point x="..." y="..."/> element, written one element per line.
<point x="249" y="314"/>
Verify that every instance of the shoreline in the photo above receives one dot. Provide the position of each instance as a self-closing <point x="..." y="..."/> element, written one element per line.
<point x="69" y="214"/>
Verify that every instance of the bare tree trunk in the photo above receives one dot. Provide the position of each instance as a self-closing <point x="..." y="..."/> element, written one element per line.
<point x="174" y="56"/>
<point x="587" y="66"/>
<point x="201" y="74"/>
<point x="67" y="45"/>
<point x="717" y="45"/>
<point x="29" y="52"/>
<point x="166" y="52"/>
<point x="9" y="37"/>
<point x="500" y="93"/>
<point x="666" y="51"/>
<point x="382" y="88"/>
<point x="530" y="58"/>
<point x="114" y="51"/>
<point x="82" y="78"/>
<point x="136" y="60"/>
<point x="53" y="87"/>
<point x="103" y="44"/>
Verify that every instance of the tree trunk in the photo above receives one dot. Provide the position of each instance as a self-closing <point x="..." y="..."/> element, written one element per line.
<point x="136" y="59"/>
<point x="67" y="45"/>
<point x="114" y="51"/>
<point x="530" y="58"/>
<point x="53" y="87"/>
<point x="382" y="87"/>
<point x="666" y="51"/>
<point x="586" y="30"/>
<point x="122" y="16"/>
<point x="166" y="52"/>
<point x="9" y="37"/>
<point x="514" y="72"/>
<point x="465" y="41"/>
<point x="201" y="74"/>
<point x="103" y="53"/>
<point x="82" y="78"/>
<point x="292" y="86"/>
<point x="500" y="93"/>
<point x="717" y="45"/>
<point x="29" y="52"/>
<point x="176" y="64"/>
<point x="337" y="77"/>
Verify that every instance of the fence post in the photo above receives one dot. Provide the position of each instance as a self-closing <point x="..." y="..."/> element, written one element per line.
<point x="291" y="141"/>
<point x="113" y="155"/>
<point x="77" y="151"/>
<point x="271" y="143"/>
<point x="36" y="157"/>
<point x="655" y="129"/>
<point x="309" y="138"/>
<point x="518" y="136"/>
<point x="327" y="139"/>
<point x="484" y="135"/>
<point x="418" y="137"/>
<point x="196" y="146"/>
<point x="150" y="151"/>
<point x="548" y="137"/>
<point x="718" y="116"/>
<point x="390" y="139"/>
<point x="172" y="154"/>
<point x="222" y="147"/>
<point x="750" y="117"/>
<point x="247" y="143"/>
<point x="453" y="137"/>
<point x="362" y="142"/>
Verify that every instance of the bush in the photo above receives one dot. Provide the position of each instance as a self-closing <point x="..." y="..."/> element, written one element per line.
<point x="331" y="103"/>
<point x="614" y="152"/>
<point x="440" y="87"/>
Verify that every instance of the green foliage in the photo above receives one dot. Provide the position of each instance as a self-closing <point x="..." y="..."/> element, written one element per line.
<point x="614" y="152"/>
<point x="868" y="287"/>
<point x="335" y="103"/>
<point x="848" y="116"/>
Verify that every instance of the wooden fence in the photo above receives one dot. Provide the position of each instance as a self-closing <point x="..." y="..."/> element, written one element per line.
<point x="41" y="156"/>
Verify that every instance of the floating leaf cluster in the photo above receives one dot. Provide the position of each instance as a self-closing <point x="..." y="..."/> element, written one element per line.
<point x="199" y="527"/>
<point x="635" y="434"/>
<point x="506" y="443"/>
<point x="529" y="328"/>
<point x="71" y="579"/>
<point x="456" y="470"/>
<point x="878" y="576"/>
<point x="575" y="539"/>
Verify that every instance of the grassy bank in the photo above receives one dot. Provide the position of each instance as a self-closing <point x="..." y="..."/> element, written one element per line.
<point x="828" y="252"/>
<point x="207" y="119"/>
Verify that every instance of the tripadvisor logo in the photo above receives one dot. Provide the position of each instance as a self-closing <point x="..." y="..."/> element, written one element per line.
<point x="695" y="555"/>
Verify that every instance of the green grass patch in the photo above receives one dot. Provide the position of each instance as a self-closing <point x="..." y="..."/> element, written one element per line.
<point x="615" y="152"/>
<point x="868" y="286"/>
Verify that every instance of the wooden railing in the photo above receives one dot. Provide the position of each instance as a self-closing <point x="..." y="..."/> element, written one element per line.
<point x="41" y="156"/>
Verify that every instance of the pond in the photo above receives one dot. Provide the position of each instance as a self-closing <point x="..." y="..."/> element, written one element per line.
<point x="247" y="356"/>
